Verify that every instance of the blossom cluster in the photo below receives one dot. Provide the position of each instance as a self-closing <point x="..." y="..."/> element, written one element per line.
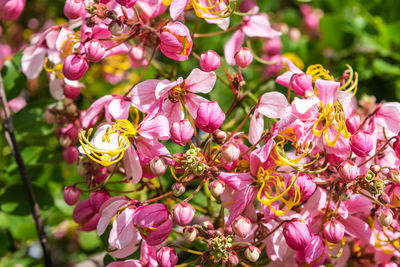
<point x="307" y="177"/>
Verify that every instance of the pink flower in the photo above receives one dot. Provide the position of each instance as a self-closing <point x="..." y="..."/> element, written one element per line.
<point x="11" y="9"/>
<point x="209" y="61"/>
<point x="183" y="213"/>
<point x="175" y="41"/>
<point x="333" y="231"/>
<point x="306" y="186"/>
<point x="74" y="9"/>
<point x="297" y="234"/>
<point x="296" y="80"/>
<point x="167" y="257"/>
<point x="75" y="66"/>
<point x="243" y="57"/>
<point x="126" y="3"/>
<point x="361" y="143"/>
<point x="273" y="46"/>
<point x="71" y="154"/>
<point x="94" y="50"/>
<point x="158" y="166"/>
<point x="209" y="116"/>
<point x="315" y="252"/>
<point x="72" y="195"/>
<point x="230" y="152"/>
<point x="348" y="171"/>
<point x="154" y="222"/>
<point x="181" y="132"/>
<point x="86" y="216"/>
<point x="242" y="227"/>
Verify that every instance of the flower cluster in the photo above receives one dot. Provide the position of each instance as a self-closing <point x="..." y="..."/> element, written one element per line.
<point x="307" y="177"/>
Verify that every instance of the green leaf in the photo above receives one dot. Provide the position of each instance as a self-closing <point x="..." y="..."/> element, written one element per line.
<point x="383" y="67"/>
<point x="13" y="78"/>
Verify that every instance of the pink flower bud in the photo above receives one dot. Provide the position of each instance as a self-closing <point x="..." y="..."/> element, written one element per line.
<point x="230" y="152"/>
<point x="190" y="233"/>
<point x="219" y="136"/>
<point x="252" y="253"/>
<point x="243" y="57"/>
<point x="85" y="216"/>
<point x="75" y="67"/>
<point x="11" y="9"/>
<point x="175" y="41"/>
<point x="183" y="213"/>
<point x="241" y="226"/>
<point x="233" y="259"/>
<point x="333" y="231"/>
<point x="94" y="50"/>
<point x="207" y="225"/>
<point x="297" y="234"/>
<point x="217" y="187"/>
<point x="209" y="116"/>
<point x="273" y="46"/>
<point x="137" y="53"/>
<point x="294" y="34"/>
<point x="167" y="257"/>
<point x="209" y="61"/>
<point x="126" y="3"/>
<point x="394" y="175"/>
<point x="74" y="9"/>
<point x="348" y="171"/>
<point x="361" y="143"/>
<point x="71" y="154"/>
<point x="315" y="252"/>
<point x="178" y="189"/>
<point x="181" y="132"/>
<point x="72" y="194"/>
<point x="385" y="217"/>
<point x="306" y="185"/>
<point x="158" y="166"/>
<point x="301" y="83"/>
<point x="71" y="91"/>
<point x="116" y="27"/>
<point x="97" y="198"/>
<point x="353" y="123"/>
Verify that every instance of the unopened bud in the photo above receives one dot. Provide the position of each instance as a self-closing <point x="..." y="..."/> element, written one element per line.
<point x="158" y="166"/>
<point x="72" y="194"/>
<point x="178" y="189"/>
<point x="183" y="213"/>
<point x="207" y="225"/>
<point x="209" y="61"/>
<point x="190" y="233"/>
<point x="167" y="257"/>
<point x="116" y="28"/>
<point x="243" y="57"/>
<point x="394" y="175"/>
<point x="242" y="227"/>
<point x="219" y="136"/>
<point x="348" y="171"/>
<point x="48" y="116"/>
<point x="94" y="50"/>
<point x="252" y="253"/>
<point x="361" y="143"/>
<point x="333" y="231"/>
<point x="385" y="217"/>
<point x="217" y="187"/>
<point x="230" y="152"/>
<point x="75" y="66"/>
<point x="71" y="154"/>
<point x="233" y="259"/>
<point x="297" y="234"/>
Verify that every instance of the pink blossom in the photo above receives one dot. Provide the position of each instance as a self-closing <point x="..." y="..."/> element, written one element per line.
<point x="175" y="41"/>
<point x="11" y="9"/>
<point x="209" y="116"/>
<point x="181" y="132"/>
<point x="209" y="61"/>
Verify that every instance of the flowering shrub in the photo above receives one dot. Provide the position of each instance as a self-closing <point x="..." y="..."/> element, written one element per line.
<point x="199" y="153"/>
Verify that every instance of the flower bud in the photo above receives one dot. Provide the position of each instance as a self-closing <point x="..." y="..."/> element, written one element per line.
<point x="207" y="225"/>
<point x="190" y="233"/>
<point x="75" y="67"/>
<point x="353" y="123"/>
<point x="230" y="152"/>
<point x="71" y="154"/>
<point x="209" y="116"/>
<point x="348" y="171"/>
<point x="219" y="136"/>
<point x="158" y="166"/>
<point x="385" y="217"/>
<point x="71" y="91"/>
<point x="167" y="257"/>
<point x="233" y="259"/>
<point x="306" y="185"/>
<point x="243" y="57"/>
<point x="314" y="253"/>
<point x="48" y="116"/>
<point x="294" y="34"/>
<point x="74" y="9"/>
<point x="273" y="46"/>
<point x="394" y="175"/>
<point x="126" y="3"/>
<point x="85" y="216"/>
<point x="301" y="83"/>
<point x="11" y="9"/>
<point x="72" y="194"/>
<point x="333" y="231"/>
<point x="242" y="227"/>
<point x="297" y="234"/>
<point x="97" y="198"/>
<point x="361" y="143"/>
<point x="183" y="213"/>
<point x="116" y="27"/>
<point x="209" y="61"/>
<point x="178" y="189"/>
<point x="137" y="53"/>
<point x="181" y="132"/>
<point x="252" y="253"/>
<point x="217" y="187"/>
<point x="94" y="50"/>
<point x="175" y="41"/>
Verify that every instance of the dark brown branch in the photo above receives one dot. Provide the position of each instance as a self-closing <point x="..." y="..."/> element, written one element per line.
<point x="8" y="129"/>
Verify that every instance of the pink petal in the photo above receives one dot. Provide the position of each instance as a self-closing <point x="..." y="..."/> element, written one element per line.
<point x="258" y="26"/>
<point x="150" y="148"/>
<point x="164" y="86"/>
<point x="272" y="105"/>
<point x="127" y="263"/>
<point x="32" y="61"/>
<point x="232" y="46"/>
<point x="285" y="78"/>
<point x="256" y="127"/>
<point x="172" y="111"/>
<point x="130" y="248"/>
<point x="157" y="128"/>
<point x="237" y="181"/>
<point x="143" y="95"/>
<point x="388" y="116"/>
<point x="119" y="109"/>
<point x="200" y="82"/>
<point x="177" y="8"/>
<point x="327" y="90"/>
<point x="192" y="102"/>
<point x="243" y="198"/>
<point x="358" y="203"/>
<point x="357" y="228"/>
<point x="108" y="211"/>
<point x="95" y="109"/>
<point x="123" y="230"/>
<point x="132" y="165"/>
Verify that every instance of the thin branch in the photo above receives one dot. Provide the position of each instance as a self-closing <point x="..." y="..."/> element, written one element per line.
<point x="8" y="129"/>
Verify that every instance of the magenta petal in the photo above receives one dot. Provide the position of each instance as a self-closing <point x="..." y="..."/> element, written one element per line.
<point x="327" y="90"/>
<point x="95" y="109"/>
<point x="157" y="128"/>
<point x="108" y="210"/>
<point x="143" y="95"/>
<point x="237" y="181"/>
<point x="243" y="198"/>
<point x="232" y="46"/>
<point x="161" y="233"/>
<point x="200" y="82"/>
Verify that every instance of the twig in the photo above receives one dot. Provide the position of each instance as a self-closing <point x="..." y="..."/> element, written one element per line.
<point x="8" y="129"/>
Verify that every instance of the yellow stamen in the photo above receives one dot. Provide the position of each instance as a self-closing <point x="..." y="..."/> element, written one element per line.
<point x="317" y="71"/>
<point x="201" y="10"/>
